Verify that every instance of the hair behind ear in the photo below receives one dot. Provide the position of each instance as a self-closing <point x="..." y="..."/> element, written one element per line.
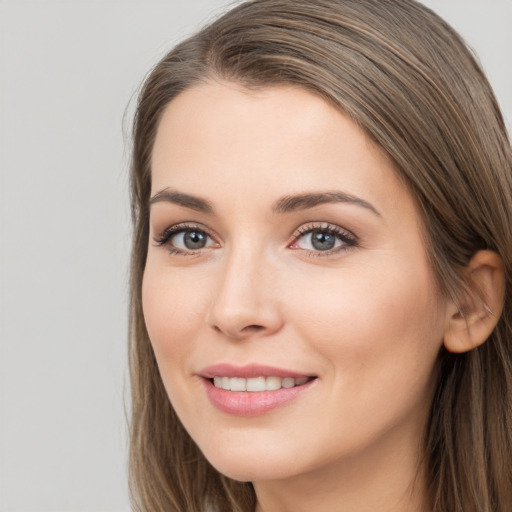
<point x="469" y="434"/>
<point x="470" y="324"/>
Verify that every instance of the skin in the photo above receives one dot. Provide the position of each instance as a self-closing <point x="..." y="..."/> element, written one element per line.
<point x="366" y="319"/>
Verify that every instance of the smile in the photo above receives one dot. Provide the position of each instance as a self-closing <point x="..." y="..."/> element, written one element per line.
<point x="254" y="389"/>
<point x="258" y="384"/>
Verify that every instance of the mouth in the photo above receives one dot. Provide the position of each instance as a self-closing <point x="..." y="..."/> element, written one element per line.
<point x="258" y="384"/>
<point x="254" y="389"/>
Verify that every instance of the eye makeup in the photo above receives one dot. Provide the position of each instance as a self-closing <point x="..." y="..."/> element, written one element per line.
<point x="196" y="236"/>
<point x="315" y="239"/>
<point x="323" y="239"/>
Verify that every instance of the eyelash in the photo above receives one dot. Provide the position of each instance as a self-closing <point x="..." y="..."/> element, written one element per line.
<point x="348" y="239"/>
<point x="171" y="231"/>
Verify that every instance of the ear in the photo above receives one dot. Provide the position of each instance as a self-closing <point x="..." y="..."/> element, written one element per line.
<point x="470" y="324"/>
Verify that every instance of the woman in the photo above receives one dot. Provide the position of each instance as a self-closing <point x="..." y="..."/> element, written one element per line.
<point x="321" y="273"/>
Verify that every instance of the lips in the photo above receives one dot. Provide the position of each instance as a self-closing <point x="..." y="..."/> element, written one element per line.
<point x="254" y="389"/>
<point x="248" y="371"/>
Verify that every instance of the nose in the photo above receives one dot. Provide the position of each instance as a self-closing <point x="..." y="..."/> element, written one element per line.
<point x="246" y="298"/>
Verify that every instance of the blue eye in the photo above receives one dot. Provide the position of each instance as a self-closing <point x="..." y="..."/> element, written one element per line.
<point x="321" y="241"/>
<point x="183" y="239"/>
<point x="189" y="240"/>
<point x="326" y="239"/>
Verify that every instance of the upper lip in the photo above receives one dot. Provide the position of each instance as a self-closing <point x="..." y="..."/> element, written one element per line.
<point x="248" y="371"/>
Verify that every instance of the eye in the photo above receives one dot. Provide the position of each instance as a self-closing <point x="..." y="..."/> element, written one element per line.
<point x="189" y="240"/>
<point x="181" y="239"/>
<point x="326" y="239"/>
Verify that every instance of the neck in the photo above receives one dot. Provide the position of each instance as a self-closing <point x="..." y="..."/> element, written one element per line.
<point x="387" y="478"/>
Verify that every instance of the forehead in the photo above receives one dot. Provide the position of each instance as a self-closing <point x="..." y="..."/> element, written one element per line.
<point x="220" y="138"/>
<point x="212" y="112"/>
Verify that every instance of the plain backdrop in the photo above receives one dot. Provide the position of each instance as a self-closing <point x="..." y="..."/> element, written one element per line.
<point x="69" y="70"/>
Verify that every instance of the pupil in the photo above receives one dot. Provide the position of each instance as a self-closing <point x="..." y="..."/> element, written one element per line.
<point x="194" y="240"/>
<point x="322" y="241"/>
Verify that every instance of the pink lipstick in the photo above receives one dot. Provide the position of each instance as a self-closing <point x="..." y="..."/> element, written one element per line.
<point x="254" y="389"/>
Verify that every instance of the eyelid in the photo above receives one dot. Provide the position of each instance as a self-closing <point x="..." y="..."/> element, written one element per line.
<point x="170" y="231"/>
<point x="349" y="240"/>
<point x="347" y="237"/>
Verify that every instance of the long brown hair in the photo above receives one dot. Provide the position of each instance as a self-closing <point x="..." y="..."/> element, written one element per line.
<point x="407" y="79"/>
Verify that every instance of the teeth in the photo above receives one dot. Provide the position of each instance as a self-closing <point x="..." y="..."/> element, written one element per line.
<point x="237" y="384"/>
<point x="272" y="383"/>
<point x="288" y="382"/>
<point x="256" y="384"/>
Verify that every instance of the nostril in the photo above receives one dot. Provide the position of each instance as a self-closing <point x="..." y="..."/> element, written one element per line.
<point x="248" y="329"/>
<point x="252" y="328"/>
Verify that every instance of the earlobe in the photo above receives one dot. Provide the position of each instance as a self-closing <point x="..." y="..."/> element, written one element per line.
<point x="481" y="307"/>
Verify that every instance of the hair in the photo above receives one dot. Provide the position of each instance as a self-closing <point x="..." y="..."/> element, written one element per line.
<point x="410" y="82"/>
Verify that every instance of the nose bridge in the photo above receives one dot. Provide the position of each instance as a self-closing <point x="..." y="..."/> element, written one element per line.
<point x="243" y="302"/>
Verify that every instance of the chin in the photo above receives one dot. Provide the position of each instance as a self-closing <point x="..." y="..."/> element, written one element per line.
<point x="254" y="470"/>
<point x="251" y="463"/>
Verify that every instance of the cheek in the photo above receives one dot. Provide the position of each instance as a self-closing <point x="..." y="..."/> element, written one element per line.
<point x="172" y="309"/>
<point x="375" y="327"/>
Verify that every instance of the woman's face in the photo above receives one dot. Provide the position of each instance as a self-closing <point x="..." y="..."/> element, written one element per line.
<point x="286" y="257"/>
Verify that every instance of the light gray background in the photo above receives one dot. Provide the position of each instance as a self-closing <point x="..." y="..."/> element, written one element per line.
<point x="68" y="71"/>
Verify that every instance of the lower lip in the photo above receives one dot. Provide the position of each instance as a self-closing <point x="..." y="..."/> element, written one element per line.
<point x="252" y="403"/>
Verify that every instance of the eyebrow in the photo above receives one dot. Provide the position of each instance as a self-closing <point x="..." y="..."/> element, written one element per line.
<point x="283" y="205"/>
<point x="309" y="200"/>
<point x="192" y="202"/>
